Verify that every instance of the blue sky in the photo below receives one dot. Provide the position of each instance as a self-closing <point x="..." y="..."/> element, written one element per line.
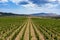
<point x="30" y="6"/>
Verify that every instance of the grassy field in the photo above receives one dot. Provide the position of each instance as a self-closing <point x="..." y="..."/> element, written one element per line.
<point x="27" y="28"/>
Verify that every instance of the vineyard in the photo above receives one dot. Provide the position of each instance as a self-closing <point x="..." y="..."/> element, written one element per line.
<point x="27" y="28"/>
<point x="50" y="28"/>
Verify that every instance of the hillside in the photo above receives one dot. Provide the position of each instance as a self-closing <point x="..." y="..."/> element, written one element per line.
<point x="44" y="14"/>
<point x="11" y="14"/>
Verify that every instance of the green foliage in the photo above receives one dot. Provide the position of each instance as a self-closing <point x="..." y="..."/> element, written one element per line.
<point x="49" y="27"/>
<point x="9" y="24"/>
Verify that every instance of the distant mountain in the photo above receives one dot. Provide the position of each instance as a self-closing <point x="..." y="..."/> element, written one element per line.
<point x="10" y="14"/>
<point x="44" y="14"/>
<point x="5" y="14"/>
<point x="36" y="14"/>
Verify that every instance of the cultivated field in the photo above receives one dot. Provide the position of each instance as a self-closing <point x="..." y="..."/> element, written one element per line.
<point x="28" y="28"/>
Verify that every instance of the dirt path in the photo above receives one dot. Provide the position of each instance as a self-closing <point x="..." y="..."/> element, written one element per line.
<point x="26" y="36"/>
<point x="20" y="33"/>
<point x="41" y="37"/>
<point x="33" y="37"/>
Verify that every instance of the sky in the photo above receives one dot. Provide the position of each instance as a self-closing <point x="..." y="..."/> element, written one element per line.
<point x="30" y="6"/>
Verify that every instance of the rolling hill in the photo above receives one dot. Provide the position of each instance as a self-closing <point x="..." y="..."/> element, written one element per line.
<point x="44" y="14"/>
<point x="11" y="14"/>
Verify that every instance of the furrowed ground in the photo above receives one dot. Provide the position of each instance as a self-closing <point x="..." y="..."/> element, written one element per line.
<point x="50" y="28"/>
<point x="27" y="28"/>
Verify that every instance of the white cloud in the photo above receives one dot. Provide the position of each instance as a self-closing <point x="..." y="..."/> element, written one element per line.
<point x="3" y="0"/>
<point x="52" y="0"/>
<point x="14" y="1"/>
<point x="32" y="6"/>
<point x="49" y="5"/>
<point x="29" y="5"/>
<point x="17" y="1"/>
<point x="58" y="0"/>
